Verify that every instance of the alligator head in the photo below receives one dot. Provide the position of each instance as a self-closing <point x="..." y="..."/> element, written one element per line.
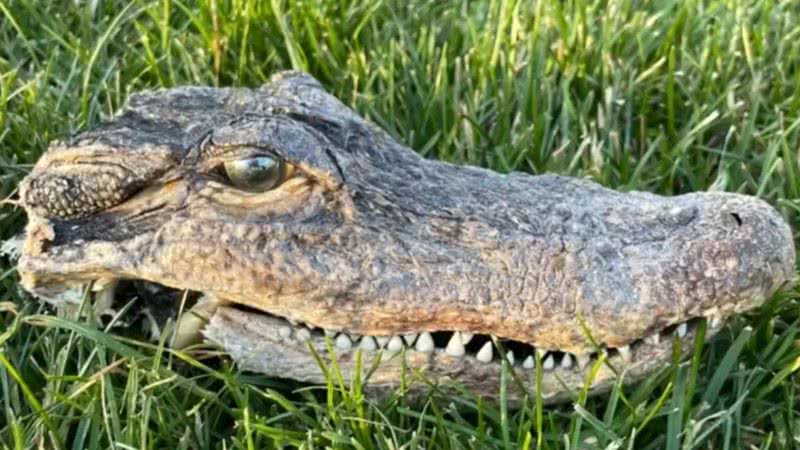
<point x="310" y="226"/>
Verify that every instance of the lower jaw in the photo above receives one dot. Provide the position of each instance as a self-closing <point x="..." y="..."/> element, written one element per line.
<point x="275" y="347"/>
<point x="259" y="342"/>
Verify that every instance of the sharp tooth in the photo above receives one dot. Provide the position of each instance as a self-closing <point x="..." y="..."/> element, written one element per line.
<point x="329" y="333"/>
<point x="681" y="330"/>
<point x="653" y="339"/>
<point x="455" y="346"/>
<point x="155" y="330"/>
<point x="285" y="332"/>
<point x="714" y="321"/>
<point x="395" y="344"/>
<point x="382" y="340"/>
<point x="566" y="361"/>
<point x="302" y="334"/>
<point x="510" y="357"/>
<point x="548" y="363"/>
<point x="528" y="363"/>
<point x="410" y="338"/>
<point x="625" y="353"/>
<point x="485" y="353"/>
<point x="465" y="337"/>
<point x="293" y="322"/>
<point x="343" y="342"/>
<point x="583" y="360"/>
<point x="368" y="343"/>
<point x="712" y="314"/>
<point x="103" y="284"/>
<point x="425" y="343"/>
<point x="104" y="298"/>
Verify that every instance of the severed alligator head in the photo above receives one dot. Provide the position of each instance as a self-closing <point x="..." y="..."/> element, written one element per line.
<point x="293" y="216"/>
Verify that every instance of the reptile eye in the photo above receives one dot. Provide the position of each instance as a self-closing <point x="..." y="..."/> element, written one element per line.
<point x="257" y="174"/>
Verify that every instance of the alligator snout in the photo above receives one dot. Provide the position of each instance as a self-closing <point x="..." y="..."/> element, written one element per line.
<point x="754" y="248"/>
<point x="726" y="254"/>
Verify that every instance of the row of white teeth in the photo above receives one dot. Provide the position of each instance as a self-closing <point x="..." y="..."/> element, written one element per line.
<point x="423" y="342"/>
<point x="456" y="346"/>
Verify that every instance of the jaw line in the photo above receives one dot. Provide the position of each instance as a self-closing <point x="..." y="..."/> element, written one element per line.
<point x="236" y="329"/>
<point x="230" y="325"/>
<point x="258" y="342"/>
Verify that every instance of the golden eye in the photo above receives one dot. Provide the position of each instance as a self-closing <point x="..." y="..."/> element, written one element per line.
<point x="257" y="174"/>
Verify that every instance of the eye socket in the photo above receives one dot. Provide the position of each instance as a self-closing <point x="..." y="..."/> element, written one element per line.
<point x="256" y="174"/>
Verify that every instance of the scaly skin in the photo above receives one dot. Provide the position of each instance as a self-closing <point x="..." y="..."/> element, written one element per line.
<point x="369" y="238"/>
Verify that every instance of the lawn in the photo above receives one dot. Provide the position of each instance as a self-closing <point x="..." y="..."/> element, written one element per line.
<point x="666" y="96"/>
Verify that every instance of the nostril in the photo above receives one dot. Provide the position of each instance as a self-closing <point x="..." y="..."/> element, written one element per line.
<point x="737" y="218"/>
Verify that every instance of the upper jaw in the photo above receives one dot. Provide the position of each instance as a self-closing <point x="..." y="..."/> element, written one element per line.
<point x="543" y="260"/>
<point x="762" y="259"/>
<point x="763" y="263"/>
<point x="286" y="348"/>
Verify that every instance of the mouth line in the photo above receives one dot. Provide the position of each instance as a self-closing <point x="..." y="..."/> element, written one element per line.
<point x="481" y="348"/>
<point x="475" y="348"/>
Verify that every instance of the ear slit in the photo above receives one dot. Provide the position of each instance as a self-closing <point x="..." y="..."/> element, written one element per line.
<point x="335" y="161"/>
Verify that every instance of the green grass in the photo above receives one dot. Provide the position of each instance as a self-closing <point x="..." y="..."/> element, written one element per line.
<point x="666" y="96"/>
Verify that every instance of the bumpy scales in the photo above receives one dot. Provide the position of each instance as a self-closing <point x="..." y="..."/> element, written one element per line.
<point x="423" y="264"/>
